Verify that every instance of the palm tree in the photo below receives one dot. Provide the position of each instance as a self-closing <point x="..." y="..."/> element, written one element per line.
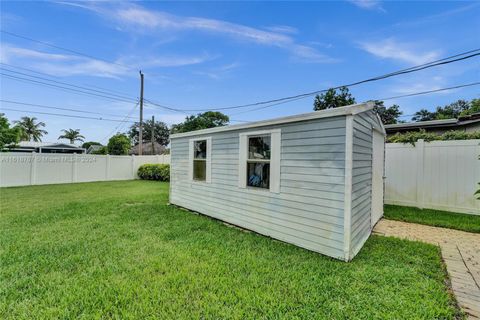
<point x="31" y="129"/>
<point x="72" y="135"/>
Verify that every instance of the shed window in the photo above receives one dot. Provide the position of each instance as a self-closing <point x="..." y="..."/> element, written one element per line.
<point x="259" y="160"/>
<point x="200" y="159"/>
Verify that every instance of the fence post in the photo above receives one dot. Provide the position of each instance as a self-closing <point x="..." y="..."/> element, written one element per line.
<point x="74" y="167"/>
<point x="33" y="169"/>
<point x="107" y="167"/>
<point x="420" y="145"/>
<point x="133" y="166"/>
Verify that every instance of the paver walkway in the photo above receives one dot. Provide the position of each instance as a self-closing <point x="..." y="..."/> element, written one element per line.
<point x="460" y="250"/>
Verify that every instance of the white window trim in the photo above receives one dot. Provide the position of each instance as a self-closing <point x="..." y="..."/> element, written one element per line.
<point x="208" y="160"/>
<point x="275" y="150"/>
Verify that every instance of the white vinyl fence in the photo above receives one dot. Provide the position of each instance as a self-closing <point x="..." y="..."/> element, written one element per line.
<point x="441" y="175"/>
<point x="22" y="169"/>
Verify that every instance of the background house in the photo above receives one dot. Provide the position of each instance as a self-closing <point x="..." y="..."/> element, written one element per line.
<point x="46" y="147"/>
<point x="467" y="124"/>
<point x="147" y="149"/>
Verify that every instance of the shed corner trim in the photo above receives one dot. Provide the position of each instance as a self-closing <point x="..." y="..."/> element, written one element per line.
<point x="347" y="213"/>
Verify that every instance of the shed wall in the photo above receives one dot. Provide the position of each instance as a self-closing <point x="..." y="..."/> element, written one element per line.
<point x="308" y="210"/>
<point x="362" y="178"/>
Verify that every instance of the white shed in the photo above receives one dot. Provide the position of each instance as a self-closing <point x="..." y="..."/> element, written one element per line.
<point x="314" y="180"/>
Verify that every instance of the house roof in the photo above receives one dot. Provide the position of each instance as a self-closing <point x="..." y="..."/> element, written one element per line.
<point x="445" y="123"/>
<point x="147" y="148"/>
<point x="32" y="144"/>
<point x="94" y="147"/>
<point x="342" y="111"/>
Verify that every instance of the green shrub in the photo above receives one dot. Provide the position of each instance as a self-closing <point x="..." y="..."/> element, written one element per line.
<point x="460" y="135"/>
<point x="413" y="136"/>
<point x="160" y="172"/>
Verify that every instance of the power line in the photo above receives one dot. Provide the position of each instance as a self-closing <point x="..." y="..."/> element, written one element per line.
<point x="389" y="98"/>
<point x="270" y="103"/>
<point x="58" y="108"/>
<point x="443" y="61"/>
<point x="62" y="87"/>
<point x="431" y="91"/>
<point x="63" y="115"/>
<point x="120" y="125"/>
<point x="154" y="104"/>
<point x="62" y="48"/>
<point x="65" y="83"/>
<point x="78" y="53"/>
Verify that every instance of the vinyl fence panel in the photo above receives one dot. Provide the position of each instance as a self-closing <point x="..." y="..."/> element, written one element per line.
<point x="21" y="169"/>
<point x="440" y="175"/>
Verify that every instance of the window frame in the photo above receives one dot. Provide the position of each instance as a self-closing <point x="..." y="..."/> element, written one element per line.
<point x="208" y="160"/>
<point x="274" y="161"/>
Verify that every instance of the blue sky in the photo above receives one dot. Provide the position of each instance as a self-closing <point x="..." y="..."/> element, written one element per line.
<point x="213" y="54"/>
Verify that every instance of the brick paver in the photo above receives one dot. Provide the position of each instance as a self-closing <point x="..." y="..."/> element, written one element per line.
<point x="460" y="250"/>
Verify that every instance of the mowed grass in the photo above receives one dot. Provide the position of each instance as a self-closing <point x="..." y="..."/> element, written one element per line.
<point x="436" y="218"/>
<point x="117" y="250"/>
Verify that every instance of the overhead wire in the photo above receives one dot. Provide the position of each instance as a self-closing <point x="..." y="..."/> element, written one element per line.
<point x="77" y="91"/>
<point x="63" y="115"/>
<point x="431" y="91"/>
<point x="78" y="53"/>
<point x="58" y="108"/>
<point x="264" y="104"/>
<point x="66" y="83"/>
<point x="444" y="61"/>
<point x="120" y="125"/>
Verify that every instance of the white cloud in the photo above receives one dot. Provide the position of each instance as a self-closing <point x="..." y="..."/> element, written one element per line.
<point x="71" y="65"/>
<point x="138" y="19"/>
<point x="368" y="4"/>
<point x="7" y="52"/>
<point x="219" y="72"/>
<point x="283" y="29"/>
<point x="404" y="52"/>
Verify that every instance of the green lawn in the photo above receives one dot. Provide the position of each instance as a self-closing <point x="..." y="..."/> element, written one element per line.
<point x="117" y="250"/>
<point x="437" y="218"/>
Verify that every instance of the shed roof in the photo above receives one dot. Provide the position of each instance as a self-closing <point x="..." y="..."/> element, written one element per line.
<point x="342" y="111"/>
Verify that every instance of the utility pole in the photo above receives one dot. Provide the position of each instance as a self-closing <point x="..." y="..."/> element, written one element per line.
<point x="153" y="135"/>
<point x="140" y="131"/>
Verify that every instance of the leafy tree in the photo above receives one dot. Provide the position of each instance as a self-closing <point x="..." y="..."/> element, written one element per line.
<point x="333" y="99"/>
<point x="87" y="144"/>
<point x="423" y="115"/>
<point x="474" y="108"/>
<point x="161" y="132"/>
<point x="452" y="110"/>
<point x="102" y="150"/>
<point x="31" y="129"/>
<point x="388" y="115"/>
<point x="72" y="135"/>
<point x="119" y="144"/>
<point x="209" y="119"/>
<point x="8" y="135"/>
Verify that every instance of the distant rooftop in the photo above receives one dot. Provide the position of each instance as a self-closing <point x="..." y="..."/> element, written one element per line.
<point x="33" y="144"/>
<point x="448" y="124"/>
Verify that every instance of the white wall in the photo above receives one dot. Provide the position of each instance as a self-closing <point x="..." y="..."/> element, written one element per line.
<point x="440" y="175"/>
<point x="21" y="169"/>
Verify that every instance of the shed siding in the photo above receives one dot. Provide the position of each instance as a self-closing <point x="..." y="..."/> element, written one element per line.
<point x="362" y="178"/>
<point x="308" y="210"/>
